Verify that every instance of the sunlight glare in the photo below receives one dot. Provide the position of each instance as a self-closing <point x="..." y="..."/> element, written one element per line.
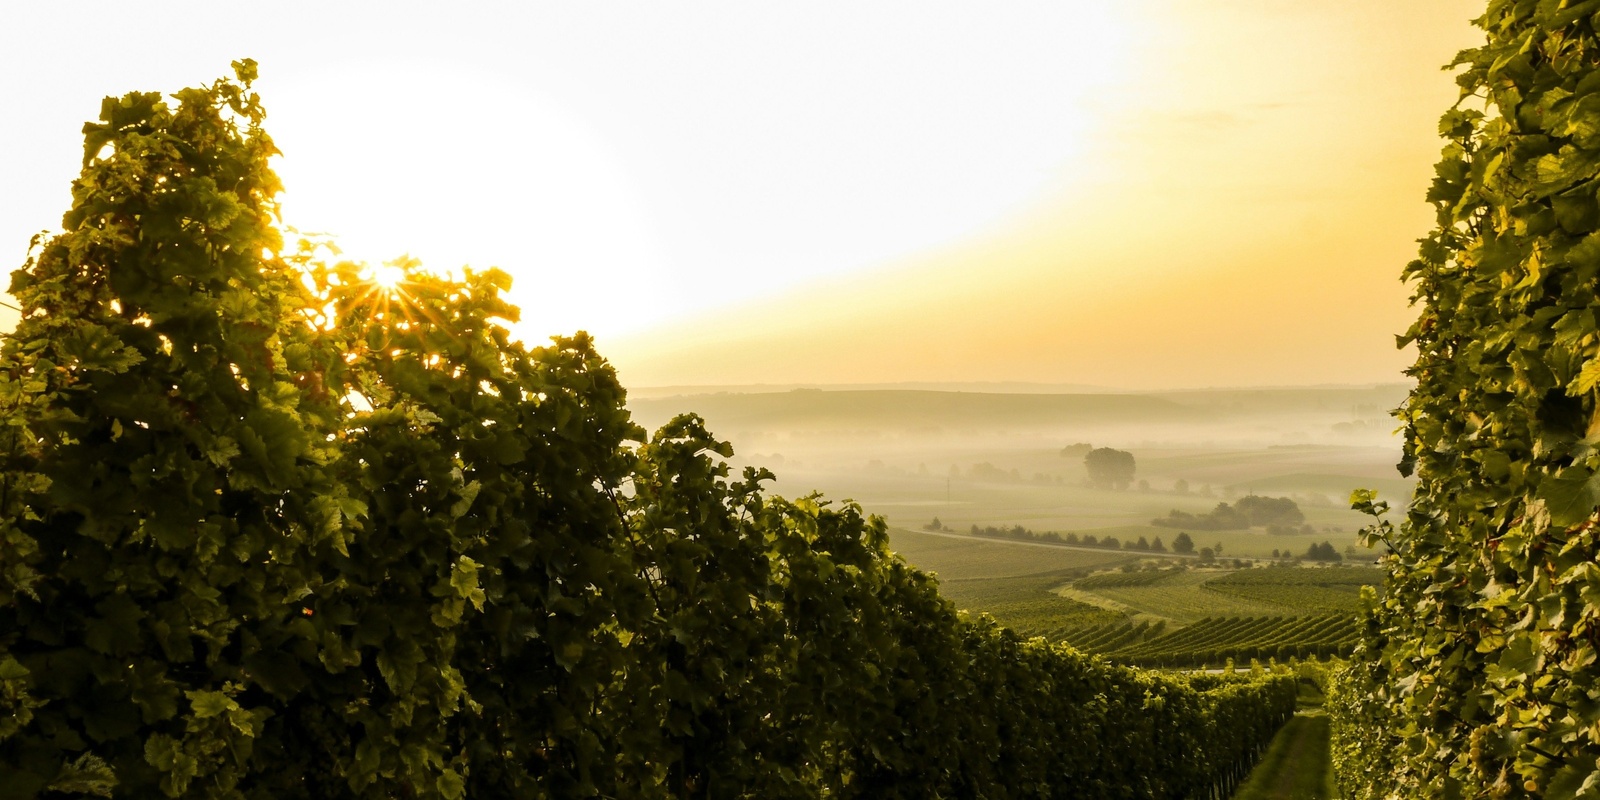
<point x="478" y="171"/>
<point x="388" y="276"/>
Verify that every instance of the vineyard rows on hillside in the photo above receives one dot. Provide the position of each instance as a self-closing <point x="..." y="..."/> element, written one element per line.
<point x="1178" y="617"/>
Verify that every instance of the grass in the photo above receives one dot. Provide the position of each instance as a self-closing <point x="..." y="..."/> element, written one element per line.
<point x="1296" y="764"/>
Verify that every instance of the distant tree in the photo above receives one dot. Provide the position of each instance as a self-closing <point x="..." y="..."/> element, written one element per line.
<point x="1222" y="518"/>
<point x="1323" y="552"/>
<point x="1144" y="485"/>
<point x="1143" y="544"/>
<point x="935" y="525"/>
<point x="1078" y="450"/>
<point x="1108" y="468"/>
<point x="1182" y="544"/>
<point x="1180" y="486"/>
<point x="1264" y="511"/>
<point x="1111" y="543"/>
<point x="1089" y="540"/>
<point x="1071" y="538"/>
<point x="1206" y="555"/>
<point x="1157" y="546"/>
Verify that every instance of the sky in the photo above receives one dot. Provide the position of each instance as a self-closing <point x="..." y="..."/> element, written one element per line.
<point x="1142" y="194"/>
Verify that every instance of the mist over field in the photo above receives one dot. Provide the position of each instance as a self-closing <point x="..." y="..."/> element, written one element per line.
<point x="996" y="457"/>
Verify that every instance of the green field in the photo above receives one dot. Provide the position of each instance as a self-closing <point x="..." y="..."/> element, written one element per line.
<point x="1321" y="589"/>
<point x="1179" y="597"/>
<point x="956" y="558"/>
<point x="1164" y="613"/>
<point x="1216" y="640"/>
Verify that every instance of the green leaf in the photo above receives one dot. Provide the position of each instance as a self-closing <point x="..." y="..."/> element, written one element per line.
<point x="207" y="704"/>
<point x="1575" y="781"/>
<point x="1570" y="496"/>
<point x="451" y="786"/>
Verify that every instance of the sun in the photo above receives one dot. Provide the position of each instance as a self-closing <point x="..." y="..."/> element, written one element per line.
<point x="388" y="277"/>
<point x="491" y="174"/>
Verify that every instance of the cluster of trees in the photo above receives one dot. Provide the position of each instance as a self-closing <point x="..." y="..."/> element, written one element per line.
<point x="1277" y="514"/>
<point x="1322" y="552"/>
<point x="270" y="529"/>
<point x="1069" y="538"/>
<point x="1109" y="468"/>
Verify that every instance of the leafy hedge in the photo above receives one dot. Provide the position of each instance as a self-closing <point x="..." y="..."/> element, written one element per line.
<point x="268" y="529"/>
<point x="1478" y="670"/>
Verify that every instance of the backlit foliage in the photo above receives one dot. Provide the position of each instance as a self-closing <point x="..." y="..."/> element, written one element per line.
<point x="271" y="528"/>
<point x="1479" y="673"/>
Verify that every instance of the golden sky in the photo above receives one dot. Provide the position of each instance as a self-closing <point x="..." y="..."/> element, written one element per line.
<point x="1245" y="206"/>
<point x="1149" y="193"/>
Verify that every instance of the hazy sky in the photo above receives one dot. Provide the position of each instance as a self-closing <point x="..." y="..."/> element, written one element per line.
<point x="1141" y="193"/>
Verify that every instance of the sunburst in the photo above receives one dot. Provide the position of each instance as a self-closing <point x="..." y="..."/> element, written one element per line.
<point x="387" y="277"/>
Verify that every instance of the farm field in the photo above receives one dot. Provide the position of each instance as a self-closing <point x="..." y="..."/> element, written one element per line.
<point x="1179" y="596"/>
<point x="956" y="559"/>
<point x="1152" y="616"/>
<point x="1324" y="589"/>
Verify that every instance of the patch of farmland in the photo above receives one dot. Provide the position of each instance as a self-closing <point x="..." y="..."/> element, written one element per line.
<point x="1027" y="604"/>
<point x="1311" y="590"/>
<point x="955" y="558"/>
<point x="1178" y="596"/>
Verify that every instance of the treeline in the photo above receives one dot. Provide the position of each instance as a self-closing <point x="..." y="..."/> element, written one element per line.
<point x="274" y="530"/>
<point x="1276" y="514"/>
<point x="1021" y="533"/>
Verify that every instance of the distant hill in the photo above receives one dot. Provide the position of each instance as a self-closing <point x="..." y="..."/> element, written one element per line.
<point x="1375" y="399"/>
<point x="987" y="387"/>
<point x="913" y="410"/>
<point x="769" y="408"/>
